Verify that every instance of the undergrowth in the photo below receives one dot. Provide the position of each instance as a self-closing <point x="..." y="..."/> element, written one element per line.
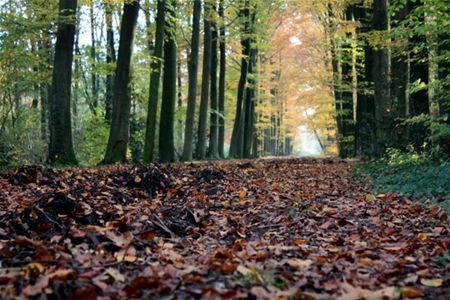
<point x="413" y="175"/>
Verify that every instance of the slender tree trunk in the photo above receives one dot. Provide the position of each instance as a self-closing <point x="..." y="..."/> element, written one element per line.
<point x="236" y="147"/>
<point x="44" y="108"/>
<point x="155" y="82"/>
<point x="166" y="128"/>
<point x="61" y="145"/>
<point x="94" y="78"/>
<point x="204" y="101"/>
<point x="76" y="74"/>
<point x="363" y="127"/>
<point x="250" y="107"/>
<point x="192" y="89"/>
<point x="222" y="78"/>
<point x="116" y="150"/>
<point x="336" y="63"/>
<point x="179" y="98"/>
<point x="433" y="69"/>
<point x="214" y="120"/>
<point x="110" y="60"/>
<point x="400" y="85"/>
<point x="44" y="46"/>
<point x="383" y="105"/>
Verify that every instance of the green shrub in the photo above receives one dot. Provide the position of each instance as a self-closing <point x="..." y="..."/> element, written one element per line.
<point x="21" y="142"/>
<point x="421" y="177"/>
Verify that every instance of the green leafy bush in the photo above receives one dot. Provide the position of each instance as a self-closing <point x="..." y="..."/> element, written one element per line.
<point x="90" y="140"/>
<point x="411" y="174"/>
<point x="21" y="142"/>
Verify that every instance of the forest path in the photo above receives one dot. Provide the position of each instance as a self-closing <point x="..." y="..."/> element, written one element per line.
<point x="292" y="228"/>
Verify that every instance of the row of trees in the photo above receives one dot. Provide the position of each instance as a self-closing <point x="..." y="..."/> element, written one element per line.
<point x="174" y="80"/>
<point x="391" y="62"/>
<point x="209" y="49"/>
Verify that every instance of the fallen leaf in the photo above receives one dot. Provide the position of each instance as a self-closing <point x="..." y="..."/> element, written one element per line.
<point x="37" y="288"/>
<point x="115" y="274"/>
<point x="243" y="270"/>
<point x="63" y="274"/>
<point x="299" y="263"/>
<point x="410" y="292"/>
<point x="434" y="282"/>
<point x="32" y="269"/>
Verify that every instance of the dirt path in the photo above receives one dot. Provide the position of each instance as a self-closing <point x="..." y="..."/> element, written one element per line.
<point x="292" y="228"/>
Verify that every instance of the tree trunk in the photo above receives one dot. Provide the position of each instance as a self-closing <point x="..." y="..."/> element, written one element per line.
<point x="214" y="120"/>
<point x="418" y="100"/>
<point x="94" y="78"/>
<point x="250" y="107"/>
<point x="222" y="78"/>
<point x="179" y="97"/>
<point x="61" y="145"/>
<point x="192" y="89"/>
<point x="236" y="147"/>
<point x="400" y="85"/>
<point x="383" y="105"/>
<point x="166" y="128"/>
<point x="433" y="69"/>
<point x="336" y="63"/>
<point x="110" y="60"/>
<point x="155" y="75"/>
<point x="203" y="116"/>
<point x="365" y="105"/>
<point x="116" y="150"/>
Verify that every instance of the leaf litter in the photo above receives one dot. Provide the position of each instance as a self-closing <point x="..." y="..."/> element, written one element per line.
<point x="263" y="229"/>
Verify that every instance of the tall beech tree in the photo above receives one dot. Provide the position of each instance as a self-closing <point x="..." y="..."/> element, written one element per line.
<point x="116" y="150"/>
<point x="383" y="104"/>
<point x="155" y="74"/>
<point x="214" y="120"/>
<point x="365" y="108"/>
<point x="61" y="144"/>
<point x="169" y="94"/>
<point x="236" y="149"/>
<point x="110" y="60"/>
<point x="400" y="80"/>
<point x="222" y="78"/>
<point x="193" y="75"/>
<point x="206" y="72"/>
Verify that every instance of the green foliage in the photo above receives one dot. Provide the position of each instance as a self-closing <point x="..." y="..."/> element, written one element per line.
<point x="412" y="174"/>
<point x="21" y="142"/>
<point x="91" y="140"/>
<point x="438" y="128"/>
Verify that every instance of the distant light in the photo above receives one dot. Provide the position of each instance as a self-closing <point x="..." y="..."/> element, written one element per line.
<point x="309" y="112"/>
<point x="295" y="41"/>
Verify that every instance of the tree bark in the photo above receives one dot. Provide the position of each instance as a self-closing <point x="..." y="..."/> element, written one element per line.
<point x="214" y="120"/>
<point x="94" y="77"/>
<point x="236" y="147"/>
<point x="336" y="63"/>
<point x="61" y="145"/>
<point x="155" y="75"/>
<point x="249" y="122"/>
<point x="116" y="150"/>
<point x="110" y="60"/>
<point x="166" y="128"/>
<point x="383" y="105"/>
<point x="400" y="85"/>
<point x="222" y="78"/>
<point x="192" y="89"/>
<point x="204" y="100"/>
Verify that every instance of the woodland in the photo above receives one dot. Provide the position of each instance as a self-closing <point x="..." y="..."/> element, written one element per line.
<point x="224" y="149"/>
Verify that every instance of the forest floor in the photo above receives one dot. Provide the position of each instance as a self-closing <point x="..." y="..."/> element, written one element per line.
<point x="265" y="229"/>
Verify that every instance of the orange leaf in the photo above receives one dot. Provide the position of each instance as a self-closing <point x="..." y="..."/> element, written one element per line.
<point x="410" y="292"/>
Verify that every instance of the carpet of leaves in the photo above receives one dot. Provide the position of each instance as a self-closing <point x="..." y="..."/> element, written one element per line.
<point x="264" y="229"/>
